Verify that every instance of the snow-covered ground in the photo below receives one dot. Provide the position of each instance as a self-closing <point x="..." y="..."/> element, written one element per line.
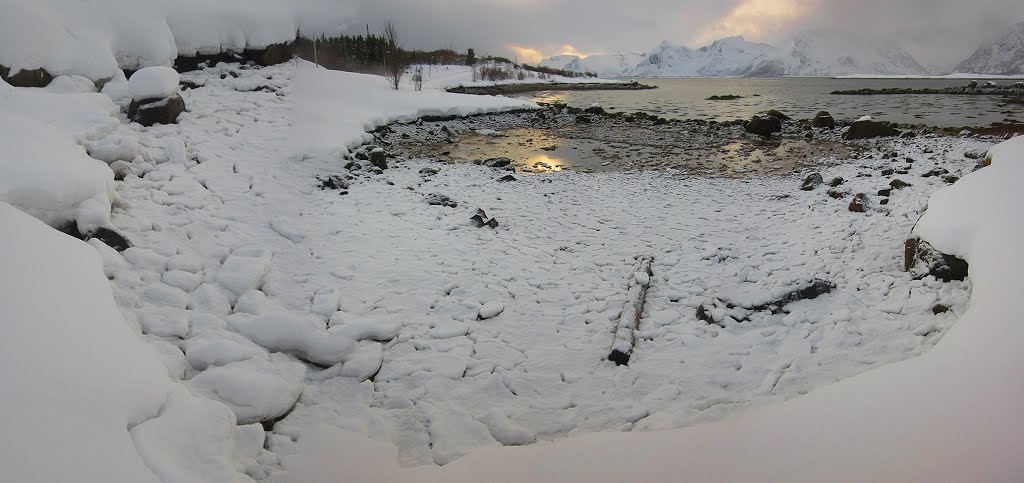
<point x="258" y="289"/>
<point x="953" y="76"/>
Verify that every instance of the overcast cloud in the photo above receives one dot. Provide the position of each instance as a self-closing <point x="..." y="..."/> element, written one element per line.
<point x="934" y="31"/>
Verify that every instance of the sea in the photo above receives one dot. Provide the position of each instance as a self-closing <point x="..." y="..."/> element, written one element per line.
<point x="800" y="98"/>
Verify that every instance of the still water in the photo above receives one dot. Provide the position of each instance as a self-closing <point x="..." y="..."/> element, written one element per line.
<point x="799" y="98"/>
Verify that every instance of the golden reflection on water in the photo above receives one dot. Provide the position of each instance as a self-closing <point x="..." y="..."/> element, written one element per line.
<point x="542" y="163"/>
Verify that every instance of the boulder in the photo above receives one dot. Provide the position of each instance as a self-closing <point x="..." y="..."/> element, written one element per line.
<point x="921" y="259"/>
<point x="438" y="199"/>
<point x="859" y="203"/>
<point x="777" y="114"/>
<point x="823" y="120"/>
<point x="26" y="78"/>
<point x="866" y="129"/>
<point x="897" y="184"/>
<point x="812" y="181"/>
<point x="836" y="182"/>
<point x="499" y="162"/>
<point x="764" y="125"/>
<point x="156" y="111"/>
<point x="378" y="158"/>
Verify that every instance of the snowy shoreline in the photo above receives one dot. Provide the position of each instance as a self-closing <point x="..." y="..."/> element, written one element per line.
<point x="248" y="280"/>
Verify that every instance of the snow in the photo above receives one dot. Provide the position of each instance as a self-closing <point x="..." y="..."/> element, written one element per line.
<point x="271" y="297"/>
<point x="1002" y="55"/>
<point x="44" y="172"/>
<point x="947" y="414"/>
<point x="89" y="400"/>
<point x="327" y="111"/>
<point x="153" y="82"/>
<point x="806" y="54"/>
<point x="94" y="39"/>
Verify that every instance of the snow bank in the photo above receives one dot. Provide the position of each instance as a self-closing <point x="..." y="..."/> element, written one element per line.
<point x="85" y="398"/>
<point x="93" y="39"/>
<point x="43" y="171"/>
<point x="949" y="415"/>
<point x="333" y="105"/>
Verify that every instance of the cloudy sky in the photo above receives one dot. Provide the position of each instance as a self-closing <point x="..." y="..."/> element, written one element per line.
<point x="934" y="31"/>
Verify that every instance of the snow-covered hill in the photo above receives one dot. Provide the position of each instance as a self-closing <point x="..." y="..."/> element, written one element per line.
<point x="808" y="54"/>
<point x="1004" y="55"/>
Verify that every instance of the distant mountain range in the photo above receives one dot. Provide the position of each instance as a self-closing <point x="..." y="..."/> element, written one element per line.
<point x="807" y="54"/>
<point x="1003" y="55"/>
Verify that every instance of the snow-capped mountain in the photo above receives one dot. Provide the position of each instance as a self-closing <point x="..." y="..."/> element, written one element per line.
<point x="808" y="54"/>
<point x="558" y="61"/>
<point x="604" y="65"/>
<point x="1004" y="55"/>
<point x="610" y="65"/>
<point x="821" y="54"/>
<point x="728" y="57"/>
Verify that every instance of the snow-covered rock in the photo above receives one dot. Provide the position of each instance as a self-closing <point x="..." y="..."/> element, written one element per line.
<point x="256" y="389"/>
<point x="43" y="171"/>
<point x="153" y="82"/>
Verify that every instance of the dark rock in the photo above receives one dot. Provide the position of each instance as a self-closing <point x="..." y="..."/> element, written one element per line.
<point x="156" y="111"/>
<point x="886" y="192"/>
<point x="764" y="126"/>
<point x="111" y="238"/>
<point x="660" y="121"/>
<point x="583" y="120"/>
<point x="187" y="85"/>
<point x="428" y="171"/>
<point x="26" y="78"/>
<point x="859" y="203"/>
<point x="869" y="129"/>
<point x="507" y="178"/>
<point x="379" y="159"/>
<point x="908" y="135"/>
<point x="594" y="110"/>
<point x="935" y="172"/>
<point x="823" y="120"/>
<point x="776" y="114"/>
<point x="939" y="309"/>
<point x="727" y="97"/>
<point x="334" y="182"/>
<point x="897" y="184"/>
<point x="438" y="199"/>
<point x="106" y="235"/>
<point x="921" y="260"/>
<point x="836" y="182"/>
<point x="950" y="179"/>
<point x="500" y="162"/>
<point x="812" y="181"/>
<point x="481" y="220"/>
<point x="884" y="201"/>
<point x="353" y="166"/>
<point x="362" y="156"/>
<point x="888" y="172"/>
<point x="836" y="194"/>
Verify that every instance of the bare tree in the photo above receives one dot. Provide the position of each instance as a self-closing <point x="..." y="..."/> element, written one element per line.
<point x="395" y="62"/>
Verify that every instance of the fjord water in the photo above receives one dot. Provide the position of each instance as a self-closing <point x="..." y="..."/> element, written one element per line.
<point x="799" y="97"/>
